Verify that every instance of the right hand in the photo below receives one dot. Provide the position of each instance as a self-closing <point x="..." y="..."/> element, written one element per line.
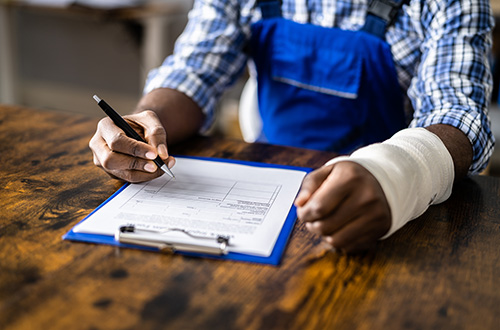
<point x="125" y="158"/>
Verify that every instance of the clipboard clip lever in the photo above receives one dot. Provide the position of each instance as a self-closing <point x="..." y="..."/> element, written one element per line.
<point x="129" y="234"/>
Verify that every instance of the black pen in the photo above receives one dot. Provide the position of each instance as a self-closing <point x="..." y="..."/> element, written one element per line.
<point x="121" y="123"/>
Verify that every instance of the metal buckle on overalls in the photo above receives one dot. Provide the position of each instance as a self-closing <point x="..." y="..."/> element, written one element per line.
<point x="385" y="9"/>
<point x="152" y="238"/>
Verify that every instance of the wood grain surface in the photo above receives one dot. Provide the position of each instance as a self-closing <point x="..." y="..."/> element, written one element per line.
<point x="441" y="271"/>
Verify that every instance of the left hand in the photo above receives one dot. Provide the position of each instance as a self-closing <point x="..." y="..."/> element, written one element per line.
<point x="345" y="204"/>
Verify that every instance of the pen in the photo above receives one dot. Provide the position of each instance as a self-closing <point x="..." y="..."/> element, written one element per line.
<point x="121" y="123"/>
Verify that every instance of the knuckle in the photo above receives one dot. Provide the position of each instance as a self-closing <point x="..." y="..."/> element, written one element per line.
<point x="148" y="113"/>
<point x="92" y="142"/>
<point x="95" y="142"/>
<point x="114" y="141"/>
<point x="135" y="164"/>
<point x="316" y="210"/>
<point x="96" y="161"/>
<point x="317" y="227"/>
<point x="351" y="171"/>
<point x="106" y="162"/>
<point x="157" y="130"/>
<point x="103" y="123"/>
<point x="135" y="150"/>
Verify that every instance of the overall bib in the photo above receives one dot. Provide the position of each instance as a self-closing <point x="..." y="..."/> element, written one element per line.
<point x="326" y="88"/>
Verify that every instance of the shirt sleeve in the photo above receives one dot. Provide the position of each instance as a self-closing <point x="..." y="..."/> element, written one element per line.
<point x="208" y="56"/>
<point x="454" y="81"/>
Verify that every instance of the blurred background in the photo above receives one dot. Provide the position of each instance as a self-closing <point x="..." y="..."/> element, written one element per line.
<point x="56" y="54"/>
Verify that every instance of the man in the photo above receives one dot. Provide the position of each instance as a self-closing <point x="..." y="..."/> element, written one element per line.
<point x="330" y="76"/>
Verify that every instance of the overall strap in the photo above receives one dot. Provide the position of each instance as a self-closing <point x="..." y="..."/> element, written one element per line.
<point x="270" y="8"/>
<point x="381" y="14"/>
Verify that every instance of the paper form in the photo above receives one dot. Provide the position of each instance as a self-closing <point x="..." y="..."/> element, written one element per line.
<point x="208" y="198"/>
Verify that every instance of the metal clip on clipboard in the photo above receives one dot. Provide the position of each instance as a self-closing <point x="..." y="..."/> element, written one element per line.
<point x="130" y="235"/>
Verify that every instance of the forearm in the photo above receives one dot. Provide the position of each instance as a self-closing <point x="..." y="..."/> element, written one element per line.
<point x="452" y="82"/>
<point x="458" y="146"/>
<point x="180" y="116"/>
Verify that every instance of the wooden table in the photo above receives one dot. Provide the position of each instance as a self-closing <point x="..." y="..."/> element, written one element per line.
<point x="439" y="272"/>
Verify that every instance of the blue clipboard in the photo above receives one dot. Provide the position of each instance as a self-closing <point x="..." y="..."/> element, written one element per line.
<point x="273" y="259"/>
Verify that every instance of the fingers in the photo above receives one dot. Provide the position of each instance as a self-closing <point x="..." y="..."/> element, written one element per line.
<point x="346" y="205"/>
<point x="358" y="235"/>
<point x="154" y="134"/>
<point x="362" y="244"/>
<point x="133" y="176"/>
<point x="327" y="189"/>
<point x="112" y="160"/>
<point x="118" y="141"/>
<point x="311" y="183"/>
<point x="126" y="158"/>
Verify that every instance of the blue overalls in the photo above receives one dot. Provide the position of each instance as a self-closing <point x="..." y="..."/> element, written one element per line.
<point x="326" y="88"/>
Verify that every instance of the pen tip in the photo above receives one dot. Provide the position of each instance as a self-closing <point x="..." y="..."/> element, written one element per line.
<point x="168" y="171"/>
<point x="97" y="99"/>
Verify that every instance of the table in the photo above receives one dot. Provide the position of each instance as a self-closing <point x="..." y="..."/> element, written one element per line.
<point x="441" y="271"/>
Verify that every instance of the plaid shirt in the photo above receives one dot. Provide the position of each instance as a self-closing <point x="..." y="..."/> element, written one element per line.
<point x="440" y="49"/>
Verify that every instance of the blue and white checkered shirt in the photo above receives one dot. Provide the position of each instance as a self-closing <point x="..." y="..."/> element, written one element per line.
<point x="440" y="48"/>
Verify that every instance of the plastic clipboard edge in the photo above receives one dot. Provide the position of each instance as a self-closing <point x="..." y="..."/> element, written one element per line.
<point x="273" y="259"/>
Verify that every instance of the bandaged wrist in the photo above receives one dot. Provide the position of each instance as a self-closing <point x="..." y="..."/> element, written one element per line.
<point x="414" y="169"/>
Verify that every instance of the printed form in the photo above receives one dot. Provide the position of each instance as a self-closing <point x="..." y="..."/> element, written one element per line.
<point x="248" y="204"/>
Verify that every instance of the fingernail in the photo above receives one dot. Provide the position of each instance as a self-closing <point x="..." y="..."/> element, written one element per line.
<point x="150" y="167"/>
<point x="301" y="198"/>
<point x="162" y="151"/>
<point x="171" y="163"/>
<point x="150" y="155"/>
<point x="327" y="246"/>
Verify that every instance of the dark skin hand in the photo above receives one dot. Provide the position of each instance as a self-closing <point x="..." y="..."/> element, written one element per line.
<point x="343" y="203"/>
<point x="346" y="205"/>
<point x="161" y="111"/>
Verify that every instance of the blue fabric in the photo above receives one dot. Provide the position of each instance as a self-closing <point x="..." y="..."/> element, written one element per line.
<point x="447" y="79"/>
<point x="377" y="21"/>
<point x="375" y="25"/>
<point x="271" y="8"/>
<point x="324" y="88"/>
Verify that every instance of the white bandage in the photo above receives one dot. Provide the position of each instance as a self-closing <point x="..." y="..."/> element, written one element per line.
<point x="414" y="169"/>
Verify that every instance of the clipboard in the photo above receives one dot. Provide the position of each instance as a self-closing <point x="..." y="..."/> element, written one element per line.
<point x="130" y="237"/>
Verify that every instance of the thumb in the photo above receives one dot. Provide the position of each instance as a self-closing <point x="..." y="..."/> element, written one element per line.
<point x="311" y="183"/>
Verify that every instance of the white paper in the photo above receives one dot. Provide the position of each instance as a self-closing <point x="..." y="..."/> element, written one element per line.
<point x="208" y="198"/>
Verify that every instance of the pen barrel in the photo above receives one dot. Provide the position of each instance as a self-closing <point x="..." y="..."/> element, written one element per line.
<point x="129" y="131"/>
<point x="158" y="161"/>
<point x="119" y="121"/>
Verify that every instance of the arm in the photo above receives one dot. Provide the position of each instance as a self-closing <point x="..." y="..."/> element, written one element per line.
<point x="354" y="203"/>
<point x="346" y="204"/>
<point x="179" y="115"/>
<point x="453" y="80"/>
<point x="458" y="146"/>
<point x="180" y="96"/>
